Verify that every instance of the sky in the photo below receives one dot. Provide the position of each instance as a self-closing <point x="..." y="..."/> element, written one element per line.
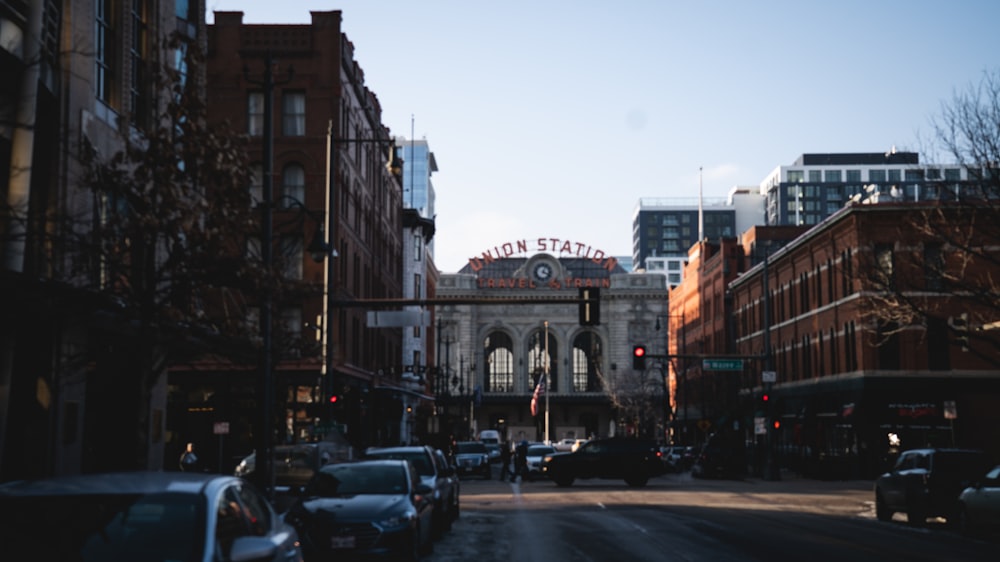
<point x="553" y="118"/>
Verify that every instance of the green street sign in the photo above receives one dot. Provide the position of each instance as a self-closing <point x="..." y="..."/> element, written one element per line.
<point x="722" y="364"/>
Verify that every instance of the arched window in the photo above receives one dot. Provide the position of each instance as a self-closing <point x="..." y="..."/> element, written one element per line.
<point x="587" y="358"/>
<point x="498" y="349"/>
<point x="293" y="183"/>
<point x="537" y="360"/>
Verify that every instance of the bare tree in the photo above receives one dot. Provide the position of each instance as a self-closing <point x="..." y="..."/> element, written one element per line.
<point x="946" y="277"/>
<point x="174" y="238"/>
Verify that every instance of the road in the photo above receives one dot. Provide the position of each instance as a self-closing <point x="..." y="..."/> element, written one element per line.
<point x="677" y="517"/>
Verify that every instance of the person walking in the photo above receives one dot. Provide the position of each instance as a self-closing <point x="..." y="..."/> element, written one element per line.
<point x="189" y="460"/>
<point x="505" y="462"/>
<point x="520" y="461"/>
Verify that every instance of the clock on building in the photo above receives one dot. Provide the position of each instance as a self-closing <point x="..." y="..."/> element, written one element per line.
<point x="543" y="272"/>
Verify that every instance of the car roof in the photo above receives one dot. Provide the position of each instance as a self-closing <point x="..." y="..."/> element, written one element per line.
<point x="114" y="483"/>
<point x="401" y="449"/>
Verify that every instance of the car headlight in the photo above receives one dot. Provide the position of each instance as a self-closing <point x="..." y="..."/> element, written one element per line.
<point x="398" y="520"/>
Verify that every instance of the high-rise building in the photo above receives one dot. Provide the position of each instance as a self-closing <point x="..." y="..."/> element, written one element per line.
<point x="663" y="229"/>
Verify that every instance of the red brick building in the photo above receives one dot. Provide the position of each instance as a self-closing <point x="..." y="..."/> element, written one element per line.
<point x="851" y="389"/>
<point x="328" y="156"/>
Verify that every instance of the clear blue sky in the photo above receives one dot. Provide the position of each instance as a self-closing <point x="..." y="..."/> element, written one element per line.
<point x="552" y="118"/>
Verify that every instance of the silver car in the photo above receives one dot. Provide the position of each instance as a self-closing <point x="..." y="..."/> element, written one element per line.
<point x="142" y="516"/>
<point x="979" y="504"/>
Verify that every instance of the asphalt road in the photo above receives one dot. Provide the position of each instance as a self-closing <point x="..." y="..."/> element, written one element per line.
<point x="677" y="517"/>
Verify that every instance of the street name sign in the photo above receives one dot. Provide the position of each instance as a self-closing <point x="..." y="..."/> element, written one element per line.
<point x="722" y="364"/>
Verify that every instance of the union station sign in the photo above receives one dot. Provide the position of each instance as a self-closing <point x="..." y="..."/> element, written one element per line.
<point x="542" y="270"/>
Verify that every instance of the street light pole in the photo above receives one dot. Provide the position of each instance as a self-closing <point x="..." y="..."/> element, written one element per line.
<point x="263" y="468"/>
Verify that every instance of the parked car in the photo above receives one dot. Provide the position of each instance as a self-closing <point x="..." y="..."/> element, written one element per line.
<point x="294" y="465"/>
<point x="634" y="460"/>
<point x="142" y="516"/>
<point x="979" y="504"/>
<point x="471" y="457"/>
<point x="568" y="444"/>
<point x="673" y="458"/>
<point x="434" y="470"/>
<point x="534" y="457"/>
<point x="369" y="507"/>
<point x="927" y="482"/>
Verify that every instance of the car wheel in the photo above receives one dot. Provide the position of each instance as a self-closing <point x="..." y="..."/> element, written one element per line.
<point x="882" y="511"/>
<point x="964" y="524"/>
<point x="563" y="481"/>
<point x="437" y="523"/>
<point x="412" y="551"/>
<point x="424" y="548"/>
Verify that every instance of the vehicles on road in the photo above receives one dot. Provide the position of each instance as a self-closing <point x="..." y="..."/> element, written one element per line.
<point x="634" y="460"/>
<point x="142" y="516"/>
<point x="979" y="504"/>
<point x="436" y="473"/>
<point x="568" y="445"/>
<point x="471" y="457"/>
<point x="491" y="438"/>
<point x="927" y="482"/>
<point x="533" y="457"/>
<point x="720" y="457"/>
<point x="370" y="507"/>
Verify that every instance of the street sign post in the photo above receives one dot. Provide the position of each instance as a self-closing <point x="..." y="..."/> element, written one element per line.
<point x="722" y="364"/>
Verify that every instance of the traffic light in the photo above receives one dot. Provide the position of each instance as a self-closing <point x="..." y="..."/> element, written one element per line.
<point x="777" y="424"/>
<point x="590" y="307"/>
<point x="639" y="357"/>
<point x="765" y="398"/>
<point x="334" y="399"/>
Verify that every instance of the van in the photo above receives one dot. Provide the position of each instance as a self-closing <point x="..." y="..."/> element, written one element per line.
<point x="491" y="438"/>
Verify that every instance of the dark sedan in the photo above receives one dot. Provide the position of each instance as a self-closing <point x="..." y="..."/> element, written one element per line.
<point x="472" y="457"/>
<point x="142" y="516"/>
<point x="371" y="507"/>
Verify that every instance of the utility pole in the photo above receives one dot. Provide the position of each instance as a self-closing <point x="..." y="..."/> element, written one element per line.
<point x="265" y="474"/>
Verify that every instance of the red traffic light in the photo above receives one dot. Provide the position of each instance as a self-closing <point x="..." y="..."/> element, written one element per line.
<point x="639" y="351"/>
<point x="777" y="424"/>
<point x="333" y="399"/>
<point x="764" y="397"/>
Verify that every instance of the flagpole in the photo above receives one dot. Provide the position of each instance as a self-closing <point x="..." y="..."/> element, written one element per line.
<point x="547" y="387"/>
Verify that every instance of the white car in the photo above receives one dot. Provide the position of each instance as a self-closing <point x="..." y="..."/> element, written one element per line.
<point x="534" y="457"/>
<point x="979" y="504"/>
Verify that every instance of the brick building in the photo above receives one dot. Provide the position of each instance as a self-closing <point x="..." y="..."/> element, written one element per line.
<point x="324" y="151"/>
<point x="852" y="389"/>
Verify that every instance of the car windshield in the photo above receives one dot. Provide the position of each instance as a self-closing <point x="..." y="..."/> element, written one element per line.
<point x="353" y="479"/>
<point x="540" y="450"/>
<point x="89" y="528"/>
<point x="471" y="448"/>
<point x="419" y="459"/>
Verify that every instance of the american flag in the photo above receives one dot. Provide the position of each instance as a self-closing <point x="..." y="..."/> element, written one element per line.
<point x="539" y="390"/>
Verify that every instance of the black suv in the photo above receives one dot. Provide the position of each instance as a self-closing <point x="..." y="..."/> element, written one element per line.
<point x="926" y="483"/>
<point x="634" y="460"/>
<point x="436" y="473"/>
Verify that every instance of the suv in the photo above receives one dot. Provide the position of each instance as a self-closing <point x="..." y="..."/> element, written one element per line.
<point x="926" y="483"/>
<point x="471" y="457"/>
<point x="634" y="460"/>
<point x="436" y="473"/>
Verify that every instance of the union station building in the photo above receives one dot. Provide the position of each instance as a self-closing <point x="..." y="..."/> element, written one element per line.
<point x="517" y="320"/>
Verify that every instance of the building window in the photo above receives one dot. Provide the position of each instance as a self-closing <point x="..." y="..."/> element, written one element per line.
<point x="586" y="362"/>
<point x="832" y="176"/>
<point x="541" y="355"/>
<point x="815" y="176"/>
<point x="796" y="176"/>
<point x="105" y="45"/>
<point x="498" y="350"/>
<point x="853" y="176"/>
<point x="139" y="83"/>
<point x="884" y="266"/>
<point x="293" y="114"/>
<point x="876" y="176"/>
<point x="256" y="185"/>
<point x="292" y="255"/>
<point x="255" y="114"/>
<point x="418" y="247"/>
<point x="293" y="184"/>
<point x="933" y="267"/>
